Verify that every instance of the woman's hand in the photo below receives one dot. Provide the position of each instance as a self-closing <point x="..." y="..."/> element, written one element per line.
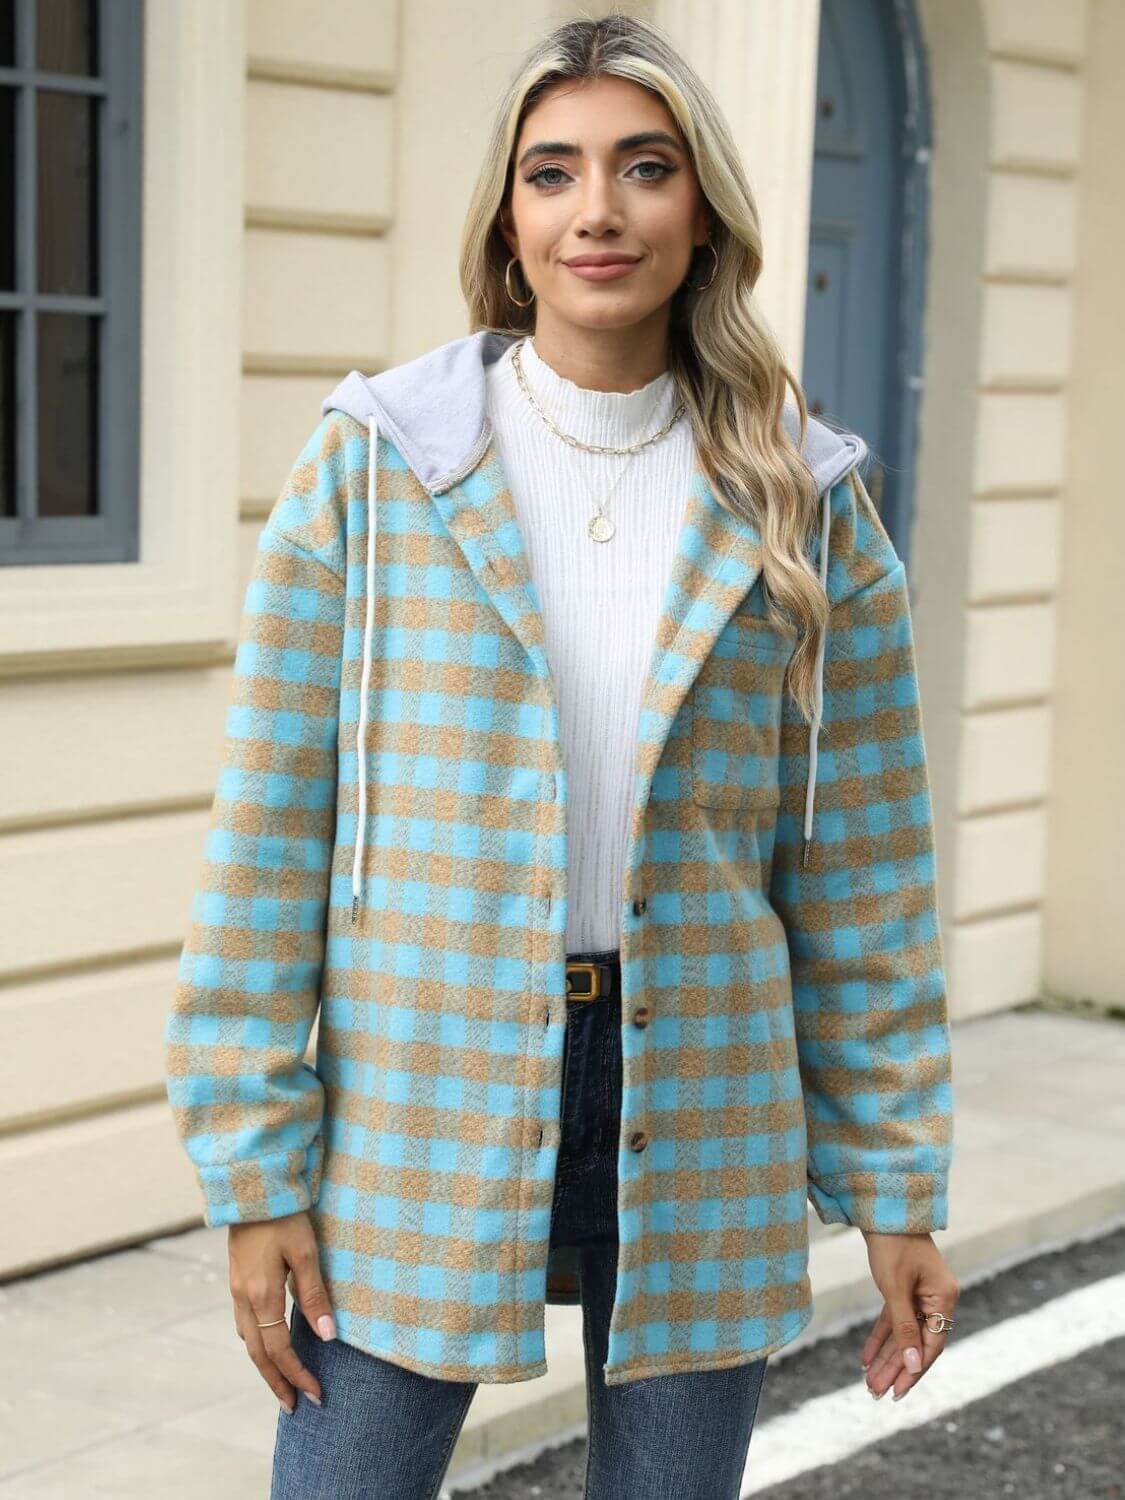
<point x="262" y="1255"/>
<point x="909" y="1271"/>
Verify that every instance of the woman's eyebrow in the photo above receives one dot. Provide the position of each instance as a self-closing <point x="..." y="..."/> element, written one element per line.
<point x="626" y="143"/>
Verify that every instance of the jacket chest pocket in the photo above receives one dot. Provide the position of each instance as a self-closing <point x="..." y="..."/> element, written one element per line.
<point x="736" y="716"/>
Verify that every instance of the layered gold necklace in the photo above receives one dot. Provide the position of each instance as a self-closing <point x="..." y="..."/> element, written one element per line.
<point x="600" y="527"/>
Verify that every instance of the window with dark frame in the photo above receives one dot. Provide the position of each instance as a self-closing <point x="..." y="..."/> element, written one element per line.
<point x="70" y="285"/>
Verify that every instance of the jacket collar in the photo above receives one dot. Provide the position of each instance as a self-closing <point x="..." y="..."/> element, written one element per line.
<point x="433" y="409"/>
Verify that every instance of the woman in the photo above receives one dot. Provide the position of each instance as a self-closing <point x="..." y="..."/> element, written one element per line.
<point x="575" y="776"/>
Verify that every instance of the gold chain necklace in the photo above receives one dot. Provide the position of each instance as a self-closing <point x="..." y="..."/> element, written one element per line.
<point x="600" y="527"/>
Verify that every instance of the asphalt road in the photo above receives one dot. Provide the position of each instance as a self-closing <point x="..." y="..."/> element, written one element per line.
<point x="1056" y="1434"/>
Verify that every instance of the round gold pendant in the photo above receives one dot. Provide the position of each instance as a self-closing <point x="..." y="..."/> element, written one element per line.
<point x="601" y="528"/>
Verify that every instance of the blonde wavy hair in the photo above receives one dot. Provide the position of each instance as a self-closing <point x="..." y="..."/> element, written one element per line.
<point x="725" y="360"/>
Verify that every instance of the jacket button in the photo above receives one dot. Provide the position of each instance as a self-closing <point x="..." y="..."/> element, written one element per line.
<point x="638" y="1140"/>
<point x="641" y="1016"/>
<point x="640" y="906"/>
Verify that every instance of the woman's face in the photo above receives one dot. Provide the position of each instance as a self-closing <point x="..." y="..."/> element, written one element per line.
<point x="600" y="169"/>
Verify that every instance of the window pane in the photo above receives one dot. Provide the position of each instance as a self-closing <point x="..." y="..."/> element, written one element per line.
<point x="68" y="408"/>
<point x="7" y="188"/>
<point x="7" y="33"/>
<point x="67" y="188"/>
<point x="67" y="42"/>
<point x="8" y="412"/>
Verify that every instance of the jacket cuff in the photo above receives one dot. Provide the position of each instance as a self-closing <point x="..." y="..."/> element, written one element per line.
<point x="263" y="1187"/>
<point x="883" y="1203"/>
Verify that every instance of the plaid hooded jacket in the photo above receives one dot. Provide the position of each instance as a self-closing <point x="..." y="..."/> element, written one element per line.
<point x="387" y="851"/>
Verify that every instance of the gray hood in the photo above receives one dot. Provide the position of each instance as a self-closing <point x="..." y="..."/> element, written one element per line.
<point x="434" y="410"/>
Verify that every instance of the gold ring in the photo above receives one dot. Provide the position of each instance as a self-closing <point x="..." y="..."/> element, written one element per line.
<point x="274" y="1324"/>
<point x="942" y="1324"/>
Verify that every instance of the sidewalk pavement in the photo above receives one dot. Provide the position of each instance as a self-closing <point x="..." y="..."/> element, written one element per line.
<point x="125" y="1376"/>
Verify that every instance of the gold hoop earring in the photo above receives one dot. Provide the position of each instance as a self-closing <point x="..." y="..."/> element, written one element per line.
<point x="691" y="284"/>
<point x="508" y="284"/>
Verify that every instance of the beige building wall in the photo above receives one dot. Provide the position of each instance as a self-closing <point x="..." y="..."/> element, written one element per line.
<point x="114" y="678"/>
<point x="327" y="239"/>
<point x="1020" y="489"/>
<point x="1007" y="86"/>
<point x="1085" y="930"/>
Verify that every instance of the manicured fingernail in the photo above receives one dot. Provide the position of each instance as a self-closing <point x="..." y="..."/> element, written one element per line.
<point x="314" y="1399"/>
<point x="326" y="1327"/>
<point x="898" y="1395"/>
<point x="912" y="1360"/>
<point x="286" y="1407"/>
<point x="873" y="1394"/>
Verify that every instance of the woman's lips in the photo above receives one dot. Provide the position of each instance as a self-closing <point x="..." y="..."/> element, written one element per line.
<point x="604" y="273"/>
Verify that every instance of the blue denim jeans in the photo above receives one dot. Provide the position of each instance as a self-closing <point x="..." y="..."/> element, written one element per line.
<point x="388" y="1432"/>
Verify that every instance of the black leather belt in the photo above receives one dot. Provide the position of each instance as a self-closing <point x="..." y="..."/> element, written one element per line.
<point x="592" y="979"/>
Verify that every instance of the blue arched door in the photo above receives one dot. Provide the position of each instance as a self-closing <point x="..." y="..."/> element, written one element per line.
<point x="863" y="319"/>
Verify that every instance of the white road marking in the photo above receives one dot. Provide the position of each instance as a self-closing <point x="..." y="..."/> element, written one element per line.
<point x="829" y="1429"/>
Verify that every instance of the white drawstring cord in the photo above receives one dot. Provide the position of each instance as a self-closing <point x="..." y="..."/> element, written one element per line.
<point x="361" y="727"/>
<point x="818" y="697"/>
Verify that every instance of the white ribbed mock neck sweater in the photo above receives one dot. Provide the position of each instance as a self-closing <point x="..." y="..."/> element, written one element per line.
<point x="600" y="600"/>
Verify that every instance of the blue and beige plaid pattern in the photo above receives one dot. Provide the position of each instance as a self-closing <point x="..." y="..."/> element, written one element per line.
<point x="797" y="1045"/>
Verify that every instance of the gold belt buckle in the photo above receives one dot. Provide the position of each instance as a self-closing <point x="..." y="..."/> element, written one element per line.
<point x="594" y="971"/>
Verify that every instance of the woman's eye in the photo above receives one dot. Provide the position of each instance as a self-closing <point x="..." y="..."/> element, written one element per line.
<point x="664" y="170"/>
